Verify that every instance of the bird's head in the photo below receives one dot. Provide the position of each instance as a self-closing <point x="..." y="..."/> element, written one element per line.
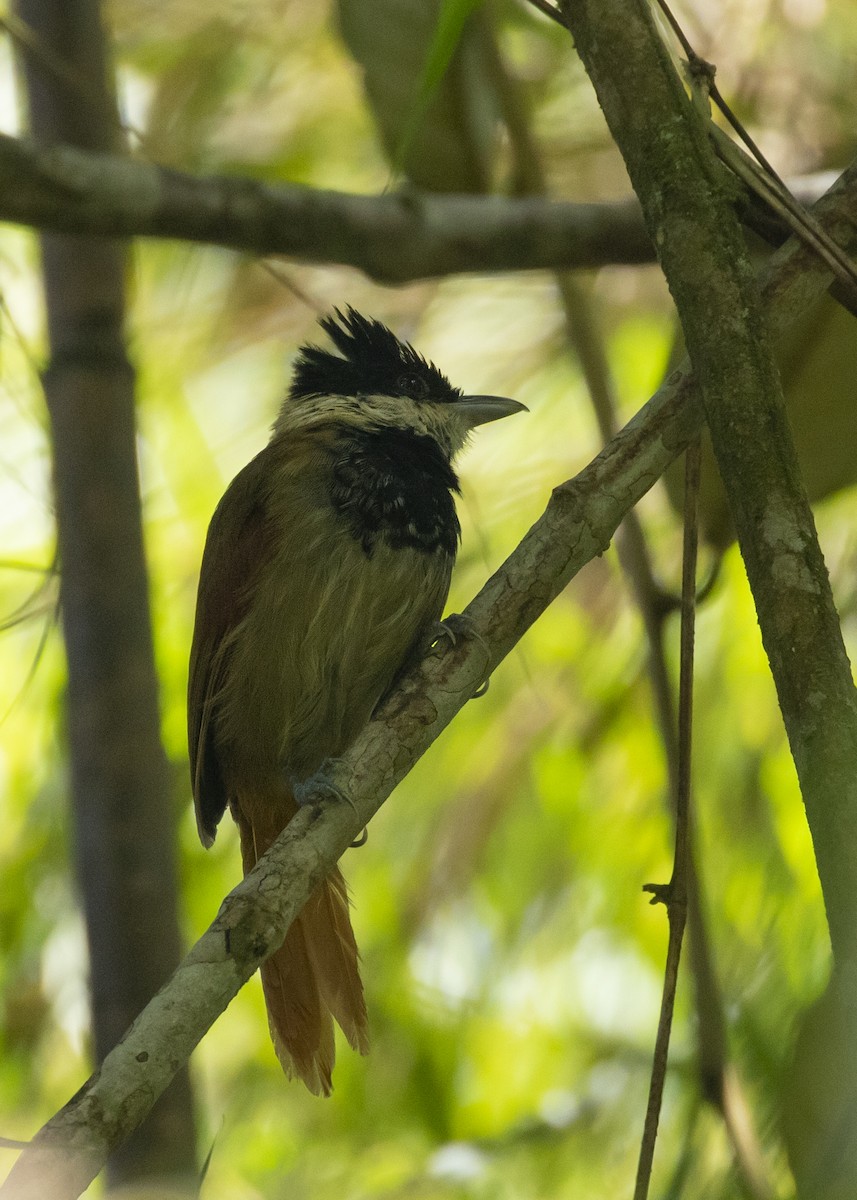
<point x="377" y="381"/>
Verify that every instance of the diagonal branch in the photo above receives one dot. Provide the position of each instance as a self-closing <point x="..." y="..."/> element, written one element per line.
<point x="577" y="525"/>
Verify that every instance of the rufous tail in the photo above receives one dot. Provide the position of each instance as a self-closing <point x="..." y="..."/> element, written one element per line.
<point x="314" y="977"/>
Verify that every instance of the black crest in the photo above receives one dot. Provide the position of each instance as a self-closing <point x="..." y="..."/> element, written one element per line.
<point x="371" y="361"/>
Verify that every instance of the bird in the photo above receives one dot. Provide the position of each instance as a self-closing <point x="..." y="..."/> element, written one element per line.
<point x="326" y="565"/>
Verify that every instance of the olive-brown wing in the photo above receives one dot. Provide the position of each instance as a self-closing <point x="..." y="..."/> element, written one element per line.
<point x="235" y="551"/>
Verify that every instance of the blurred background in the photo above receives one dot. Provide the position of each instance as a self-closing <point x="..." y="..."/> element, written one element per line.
<point x="512" y="963"/>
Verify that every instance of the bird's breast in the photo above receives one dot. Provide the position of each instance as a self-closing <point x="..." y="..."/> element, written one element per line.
<point x="329" y="627"/>
<point x="395" y="487"/>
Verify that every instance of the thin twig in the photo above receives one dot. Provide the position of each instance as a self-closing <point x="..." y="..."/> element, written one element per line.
<point x="674" y="894"/>
<point x="677" y="29"/>
<point x="287" y="280"/>
<point x="693" y="462"/>
<point x="778" y="197"/>
<point x="766" y="184"/>
<point x="699" y="65"/>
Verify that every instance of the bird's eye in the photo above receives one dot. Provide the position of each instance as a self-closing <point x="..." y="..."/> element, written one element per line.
<point x="412" y="385"/>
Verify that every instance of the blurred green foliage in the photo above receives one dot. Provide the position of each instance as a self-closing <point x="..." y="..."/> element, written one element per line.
<point x="511" y="960"/>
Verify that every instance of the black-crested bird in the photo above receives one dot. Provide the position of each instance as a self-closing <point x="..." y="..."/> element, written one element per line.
<point x="326" y="563"/>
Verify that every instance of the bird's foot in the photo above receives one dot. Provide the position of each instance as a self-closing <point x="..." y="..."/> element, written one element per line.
<point x="319" y="788"/>
<point x="454" y="628"/>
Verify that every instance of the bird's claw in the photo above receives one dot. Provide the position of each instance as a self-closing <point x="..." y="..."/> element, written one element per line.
<point x="450" y="629"/>
<point x="437" y="633"/>
<point x="457" y="627"/>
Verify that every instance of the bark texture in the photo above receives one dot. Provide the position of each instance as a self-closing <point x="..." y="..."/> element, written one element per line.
<point x="686" y="203"/>
<point x="122" y="816"/>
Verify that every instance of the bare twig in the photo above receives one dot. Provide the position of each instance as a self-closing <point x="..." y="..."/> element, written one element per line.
<point x="700" y="67"/>
<point x="779" y="198"/>
<point x="765" y="183"/>
<point x="394" y="238"/>
<point x="674" y="894"/>
<point x="678" y="886"/>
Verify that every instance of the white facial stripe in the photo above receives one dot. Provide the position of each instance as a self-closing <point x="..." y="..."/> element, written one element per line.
<point x="436" y="420"/>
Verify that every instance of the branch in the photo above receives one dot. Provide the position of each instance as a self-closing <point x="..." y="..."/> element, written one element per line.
<point x="681" y="187"/>
<point x="675" y="894"/>
<point x="577" y="525"/>
<point x="394" y="237"/>
<point x="580" y="520"/>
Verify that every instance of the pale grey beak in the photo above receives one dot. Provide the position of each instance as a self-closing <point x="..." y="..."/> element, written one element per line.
<point x="479" y="410"/>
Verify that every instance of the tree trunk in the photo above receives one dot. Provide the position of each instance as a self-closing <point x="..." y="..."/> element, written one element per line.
<point x="122" y="818"/>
